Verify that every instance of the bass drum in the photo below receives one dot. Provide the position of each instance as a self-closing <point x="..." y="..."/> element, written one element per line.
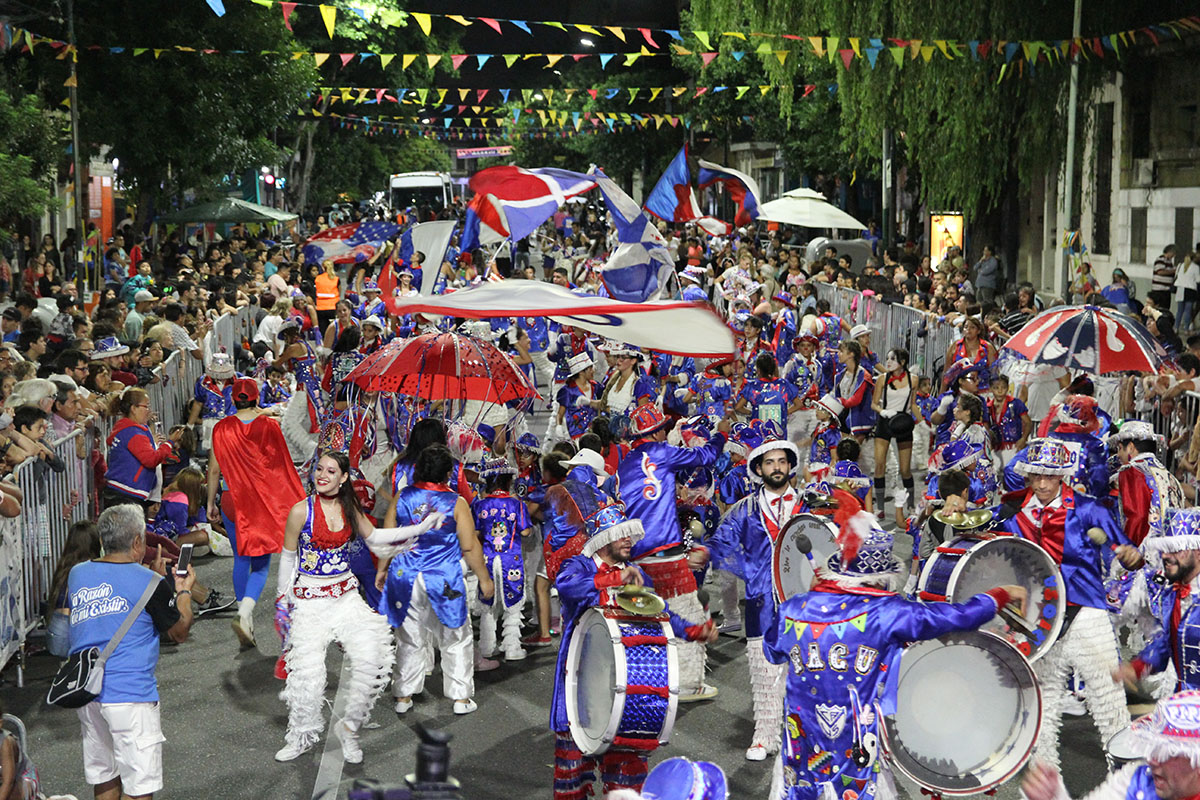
<point x="804" y="544"/>
<point x="996" y="719"/>
<point x="966" y="566"/>
<point x="622" y="681"/>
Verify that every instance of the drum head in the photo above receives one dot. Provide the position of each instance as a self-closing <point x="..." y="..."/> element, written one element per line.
<point x="593" y="706"/>
<point x="1010" y="560"/>
<point x="995" y="724"/>
<point x="1123" y="748"/>
<point x="792" y="571"/>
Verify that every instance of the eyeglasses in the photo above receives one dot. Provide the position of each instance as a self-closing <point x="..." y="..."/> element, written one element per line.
<point x="141" y="405"/>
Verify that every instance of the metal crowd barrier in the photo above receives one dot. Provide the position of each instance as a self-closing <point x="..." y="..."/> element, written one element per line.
<point x="30" y="544"/>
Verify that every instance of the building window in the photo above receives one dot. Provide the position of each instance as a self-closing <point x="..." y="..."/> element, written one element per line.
<point x="1137" y="235"/>
<point x="1102" y="189"/>
<point x="1183" y="231"/>
<point x="1139" y="124"/>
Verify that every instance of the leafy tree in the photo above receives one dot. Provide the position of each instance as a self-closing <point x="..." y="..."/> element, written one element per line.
<point x="30" y="138"/>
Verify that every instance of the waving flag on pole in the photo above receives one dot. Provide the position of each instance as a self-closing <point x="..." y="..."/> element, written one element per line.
<point x="514" y="201"/>
<point x="672" y="198"/>
<point x="477" y="233"/>
<point x="348" y="244"/>
<point x="638" y="268"/>
<point x="742" y="189"/>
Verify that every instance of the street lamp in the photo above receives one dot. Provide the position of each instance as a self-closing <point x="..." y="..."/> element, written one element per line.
<point x="586" y="42"/>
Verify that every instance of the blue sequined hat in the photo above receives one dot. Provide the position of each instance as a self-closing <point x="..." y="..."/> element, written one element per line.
<point x="958" y="454"/>
<point x="1182" y="532"/>
<point x="680" y="779"/>
<point x="849" y="475"/>
<point x="1048" y="457"/>
<point x="608" y="524"/>
<point x="492" y="467"/>
<point x="529" y="443"/>
<point x="370" y="286"/>
<point x="864" y="548"/>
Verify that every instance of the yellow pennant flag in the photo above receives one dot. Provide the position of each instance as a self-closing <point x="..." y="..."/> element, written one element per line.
<point x="320" y="58"/>
<point x="70" y="81"/>
<point x="741" y="90"/>
<point x="632" y="94"/>
<point x="385" y="59"/>
<point x="854" y="46"/>
<point x="818" y="45"/>
<point x="158" y="52"/>
<point x="328" y="15"/>
<point x="615" y="31"/>
<point x="511" y="59"/>
<point x="735" y="34"/>
<point x="441" y="95"/>
<point x="764" y="90"/>
<point x="631" y="57"/>
<point x="927" y="52"/>
<point x="588" y="29"/>
<point x="703" y="37"/>
<point x="66" y="102"/>
<point x="655" y="92"/>
<point x="941" y="45"/>
<point x="461" y="20"/>
<point x="423" y="21"/>
<point x="782" y="56"/>
<point x="551" y="60"/>
<point x="570" y="93"/>
<point x="462" y="94"/>
<point x="407" y="59"/>
<point x="549" y="93"/>
<point x="433" y="59"/>
<point x="678" y="90"/>
<point x="467" y="120"/>
<point x="831" y="46"/>
<point x="345" y="95"/>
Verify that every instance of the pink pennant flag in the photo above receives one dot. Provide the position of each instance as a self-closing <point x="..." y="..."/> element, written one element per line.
<point x="379" y="95"/>
<point x="707" y="58"/>
<point x="580" y="56"/>
<point x="461" y="109"/>
<point x="491" y="23"/>
<point x="287" y="9"/>
<point x="480" y="94"/>
<point x="346" y="58"/>
<point x="847" y="56"/>
<point x="700" y="91"/>
<point x="646" y="35"/>
<point x="808" y="90"/>
<point x="457" y="61"/>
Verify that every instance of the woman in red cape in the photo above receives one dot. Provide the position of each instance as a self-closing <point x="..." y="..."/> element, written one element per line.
<point x="250" y="458"/>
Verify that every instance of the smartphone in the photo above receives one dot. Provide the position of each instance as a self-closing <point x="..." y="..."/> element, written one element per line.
<point x="185" y="558"/>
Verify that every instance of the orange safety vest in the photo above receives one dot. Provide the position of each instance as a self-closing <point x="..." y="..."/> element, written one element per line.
<point x="327" y="291"/>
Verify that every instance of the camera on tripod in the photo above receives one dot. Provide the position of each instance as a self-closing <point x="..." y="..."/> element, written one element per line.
<point x="431" y="781"/>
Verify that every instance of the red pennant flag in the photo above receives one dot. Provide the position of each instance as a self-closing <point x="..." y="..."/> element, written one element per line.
<point x="579" y="56"/>
<point x="699" y="92"/>
<point x="379" y="95"/>
<point x="818" y="628"/>
<point x="480" y="94"/>
<point x="287" y="9"/>
<point x="847" y="56"/>
<point x="491" y="23"/>
<point x="592" y="92"/>
<point x="461" y="109"/>
<point x="984" y="48"/>
<point x="808" y="90"/>
<point x="346" y="58"/>
<point x="646" y="35"/>
<point x="707" y="58"/>
<point x="457" y="61"/>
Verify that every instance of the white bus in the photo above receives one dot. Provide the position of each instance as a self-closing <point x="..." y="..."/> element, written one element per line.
<point x="427" y="192"/>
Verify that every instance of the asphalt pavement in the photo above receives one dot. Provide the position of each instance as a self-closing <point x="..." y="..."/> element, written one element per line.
<point x="224" y="720"/>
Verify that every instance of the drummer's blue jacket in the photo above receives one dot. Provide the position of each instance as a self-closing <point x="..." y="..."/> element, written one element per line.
<point x="581" y="585"/>
<point x="741" y="545"/>
<point x="841" y="645"/>
<point x="1173" y="643"/>
<point x="1081" y="559"/>
<point x="646" y="485"/>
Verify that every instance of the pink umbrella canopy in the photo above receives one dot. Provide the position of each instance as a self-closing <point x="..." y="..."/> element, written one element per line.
<point x="444" y="366"/>
<point x="1089" y="338"/>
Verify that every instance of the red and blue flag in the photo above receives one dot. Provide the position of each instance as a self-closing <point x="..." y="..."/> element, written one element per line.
<point x="348" y="244"/>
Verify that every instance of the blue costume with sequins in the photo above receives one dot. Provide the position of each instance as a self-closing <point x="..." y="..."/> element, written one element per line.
<point x="839" y="645"/>
<point x="499" y="519"/>
<point x="664" y="365"/>
<point x="713" y="393"/>
<point x="579" y="414"/>
<point x="215" y="396"/>
<point x="436" y="556"/>
<point x="824" y="443"/>
<point x="769" y="400"/>
<point x="1177" y="644"/>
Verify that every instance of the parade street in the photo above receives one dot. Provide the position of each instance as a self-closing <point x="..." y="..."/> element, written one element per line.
<point x="223" y="720"/>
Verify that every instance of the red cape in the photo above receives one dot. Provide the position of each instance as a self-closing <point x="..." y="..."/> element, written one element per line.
<point x="263" y="484"/>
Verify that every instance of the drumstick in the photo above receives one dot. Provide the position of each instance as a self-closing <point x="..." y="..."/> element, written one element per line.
<point x="1015" y="621"/>
<point x="1099" y="537"/>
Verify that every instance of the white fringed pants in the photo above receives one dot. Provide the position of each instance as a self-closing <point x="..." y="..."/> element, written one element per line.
<point x="365" y="638"/>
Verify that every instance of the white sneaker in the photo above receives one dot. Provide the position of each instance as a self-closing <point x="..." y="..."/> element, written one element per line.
<point x="351" y="751"/>
<point x="244" y="631"/>
<point x="1073" y="706"/>
<point x="291" y="751"/>
<point x="465" y="706"/>
<point x="732" y="626"/>
<point x="515" y="654"/>
<point x="756" y="752"/>
<point x="705" y="692"/>
<point x="403" y="706"/>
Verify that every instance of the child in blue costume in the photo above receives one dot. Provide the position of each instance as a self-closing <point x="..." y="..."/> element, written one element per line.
<point x="425" y="594"/>
<point x="587" y="580"/>
<point x="502" y="521"/>
<point x="837" y="673"/>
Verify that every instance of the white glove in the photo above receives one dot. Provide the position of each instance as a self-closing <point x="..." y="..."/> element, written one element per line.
<point x="900" y="497"/>
<point x="886" y="414"/>
<point x="288" y="563"/>
<point x="944" y="406"/>
<point x="680" y="392"/>
<point x="388" y="542"/>
<point x="910" y="585"/>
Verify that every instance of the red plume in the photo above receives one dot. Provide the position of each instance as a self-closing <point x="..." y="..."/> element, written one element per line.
<point x="848" y="538"/>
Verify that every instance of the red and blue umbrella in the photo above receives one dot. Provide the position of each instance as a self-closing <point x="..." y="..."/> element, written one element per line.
<point x="1089" y="339"/>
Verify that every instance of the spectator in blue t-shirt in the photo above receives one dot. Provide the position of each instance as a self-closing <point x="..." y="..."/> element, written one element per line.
<point x="122" y="732"/>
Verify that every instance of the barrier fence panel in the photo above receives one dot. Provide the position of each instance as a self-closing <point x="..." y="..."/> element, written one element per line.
<point x="12" y="590"/>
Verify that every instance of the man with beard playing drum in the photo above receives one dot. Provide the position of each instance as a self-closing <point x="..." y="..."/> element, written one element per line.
<point x="742" y="544"/>
<point x="837" y="641"/>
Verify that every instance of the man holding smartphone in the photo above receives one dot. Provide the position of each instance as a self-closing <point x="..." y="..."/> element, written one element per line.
<point x="122" y="731"/>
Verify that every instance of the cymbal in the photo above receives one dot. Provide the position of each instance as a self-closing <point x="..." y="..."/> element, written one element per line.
<point x="640" y="600"/>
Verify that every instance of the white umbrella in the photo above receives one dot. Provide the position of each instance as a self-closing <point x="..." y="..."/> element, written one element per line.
<point x="807" y="209"/>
